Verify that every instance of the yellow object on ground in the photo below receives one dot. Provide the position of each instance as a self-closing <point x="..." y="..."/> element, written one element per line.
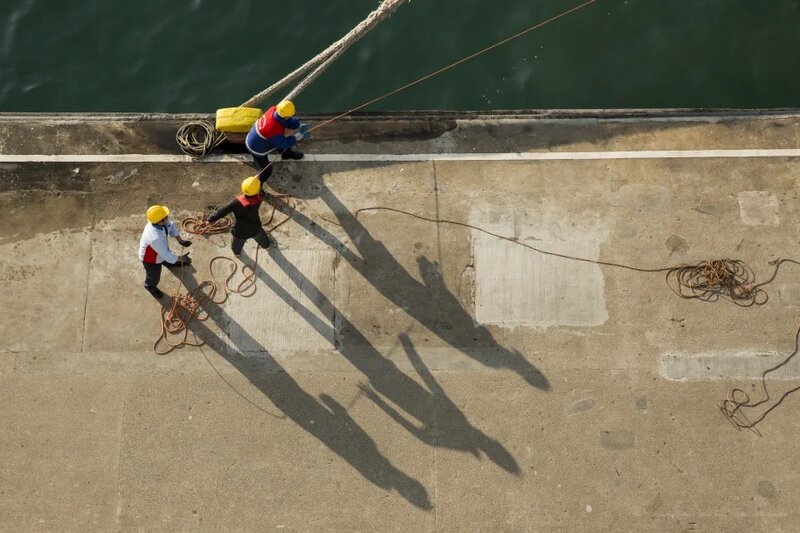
<point x="285" y="108"/>
<point x="251" y="186"/>
<point x="237" y="119"/>
<point x="157" y="213"/>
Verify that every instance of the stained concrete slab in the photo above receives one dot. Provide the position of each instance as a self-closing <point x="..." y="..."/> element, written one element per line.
<point x="622" y="463"/>
<point x="225" y="464"/>
<point x="418" y="415"/>
<point x="727" y="365"/>
<point x="7" y="361"/>
<point x="44" y="304"/>
<point x="515" y="287"/>
<point x="292" y="323"/>
<point x="759" y="208"/>
<point x="59" y="451"/>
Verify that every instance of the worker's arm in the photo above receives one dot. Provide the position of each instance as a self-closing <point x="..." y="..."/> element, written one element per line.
<point x="292" y="123"/>
<point x="289" y="123"/>
<point x="162" y="249"/>
<point x="172" y="229"/>
<point x="282" y="143"/>
<point x="222" y="211"/>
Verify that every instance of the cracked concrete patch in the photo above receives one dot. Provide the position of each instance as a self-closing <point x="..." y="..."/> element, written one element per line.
<point x="518" y="287"/>
<point x="758" y="208"/>
<point x="724" y="365"/>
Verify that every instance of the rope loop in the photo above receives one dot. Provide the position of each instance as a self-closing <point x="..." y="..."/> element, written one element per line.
<point x="198" y="138"/>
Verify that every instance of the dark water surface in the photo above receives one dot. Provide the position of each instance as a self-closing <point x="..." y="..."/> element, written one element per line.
<point x="198" y="55"/>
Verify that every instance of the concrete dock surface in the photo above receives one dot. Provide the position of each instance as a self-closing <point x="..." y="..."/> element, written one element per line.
<point x="396" y="374"/>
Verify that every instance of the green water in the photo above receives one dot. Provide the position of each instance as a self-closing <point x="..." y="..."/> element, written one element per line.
<point x="198" y="55"/>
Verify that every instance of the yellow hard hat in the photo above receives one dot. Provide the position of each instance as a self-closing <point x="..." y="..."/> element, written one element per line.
<point x="157" y="213"/>
<point x="251" y="186"/>
<point x="285" y="109"/>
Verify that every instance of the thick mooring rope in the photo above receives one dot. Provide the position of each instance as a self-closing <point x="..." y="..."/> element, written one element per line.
<point x="322" y="60"/>
<point x="327" y="56"/>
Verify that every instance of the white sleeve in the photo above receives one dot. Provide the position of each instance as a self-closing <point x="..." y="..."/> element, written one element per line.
<point x="172" y="229"/>
<point x="161" y="246"/>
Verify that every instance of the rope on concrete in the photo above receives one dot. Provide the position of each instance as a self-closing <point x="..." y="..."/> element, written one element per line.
<point x="324" y="59"/>
<point x="733" y="408"/>
<point x="186" y="307"/>
<point x="197" y="224"/>
<point x="198" y="138"/>
<point x="708" y="281"/>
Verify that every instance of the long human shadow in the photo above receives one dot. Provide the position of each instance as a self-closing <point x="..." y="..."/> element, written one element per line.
<point x="325" y="419"/>
<point x="450" y="417"/>
<point x="439" y="421"/>
<point x="431" y="303"/>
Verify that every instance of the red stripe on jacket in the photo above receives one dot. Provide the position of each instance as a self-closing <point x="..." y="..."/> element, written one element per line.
<point x="150" y="255"/>
<point x="267" y="126"/>
<point x="247" y="201"/>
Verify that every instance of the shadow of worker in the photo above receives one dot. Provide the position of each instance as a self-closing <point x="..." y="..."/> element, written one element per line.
<point x="440" y="422"/>
<point x="431" y="303"/>
<point x="451" y="421"/>
<point x="325" y="419"/>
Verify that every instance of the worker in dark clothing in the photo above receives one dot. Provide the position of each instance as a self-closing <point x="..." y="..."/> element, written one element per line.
<point x="154" y="249"/>
<point x="247" y="222"/>
<point x="268" y="136"/>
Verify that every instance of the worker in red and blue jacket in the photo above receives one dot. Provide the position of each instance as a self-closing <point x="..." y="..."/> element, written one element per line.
<point x="154" y="247"/>
<point x="246" y="221"/>
<point x="268" y="135"/>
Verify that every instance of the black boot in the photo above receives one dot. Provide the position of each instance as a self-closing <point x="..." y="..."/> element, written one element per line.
<point x="156" y="292"/>
<point x="292" y="154"/>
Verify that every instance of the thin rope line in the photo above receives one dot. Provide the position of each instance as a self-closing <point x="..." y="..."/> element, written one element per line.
<point x="448" y="67"/>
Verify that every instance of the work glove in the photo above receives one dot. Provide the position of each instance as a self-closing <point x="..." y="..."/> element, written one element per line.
<point x="305" y="130"/>
<point x="184" y="242"/>
<point x="184" y="260"/>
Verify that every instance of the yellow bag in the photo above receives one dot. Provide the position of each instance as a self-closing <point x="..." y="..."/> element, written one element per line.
<point x="237" y="119"/>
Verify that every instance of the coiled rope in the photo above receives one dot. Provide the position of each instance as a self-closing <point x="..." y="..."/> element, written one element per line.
<point x="197" y="224"/>
<point x="198" y="138"/>
<point x="188" y="306"/>
<point x="175" y="321"/>
<point x="729" y="279"/>
<point x="327" y="56"/>
<point x="707" y="281"/>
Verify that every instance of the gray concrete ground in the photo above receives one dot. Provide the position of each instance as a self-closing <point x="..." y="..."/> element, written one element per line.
<point x="392" y="374"/>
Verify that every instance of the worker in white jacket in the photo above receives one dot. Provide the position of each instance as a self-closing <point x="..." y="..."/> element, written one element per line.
<point x="154" y="247"/>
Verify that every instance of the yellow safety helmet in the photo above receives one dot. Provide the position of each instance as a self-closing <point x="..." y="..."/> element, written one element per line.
<point x="251" y="186"/>
<point x="285" y="109"/>
<point x="157" y="213"/>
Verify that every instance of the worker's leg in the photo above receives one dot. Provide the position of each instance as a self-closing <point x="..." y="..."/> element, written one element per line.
<point x="259" y="148"/>
<point x="262" y="239"/>
<point x="263" y="166"/>
<point x="236" y="245"/>
<point x="291" y="154"/>
<point x="152" y="277"/>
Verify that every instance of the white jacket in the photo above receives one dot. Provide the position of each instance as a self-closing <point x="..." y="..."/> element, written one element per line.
<point x="154" y="247"/>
